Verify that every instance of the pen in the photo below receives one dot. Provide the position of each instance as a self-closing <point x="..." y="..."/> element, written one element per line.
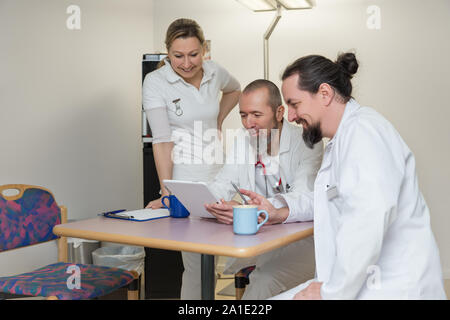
<point x="279" y="186"/>
<point x="111" y="212"/>
<point x="240" y="194"/>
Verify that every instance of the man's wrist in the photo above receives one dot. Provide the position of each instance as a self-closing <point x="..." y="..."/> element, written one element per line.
<point x="282" y="214"/>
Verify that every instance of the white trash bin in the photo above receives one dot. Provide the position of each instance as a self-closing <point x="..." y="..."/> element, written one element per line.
<point x="80" y="250"/>
<point x="124" y="257"/>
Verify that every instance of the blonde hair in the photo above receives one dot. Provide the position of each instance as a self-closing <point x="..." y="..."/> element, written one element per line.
<point x="184" y="28"/>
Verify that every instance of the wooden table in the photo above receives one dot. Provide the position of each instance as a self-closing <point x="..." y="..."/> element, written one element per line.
<point x="205" y="236"/>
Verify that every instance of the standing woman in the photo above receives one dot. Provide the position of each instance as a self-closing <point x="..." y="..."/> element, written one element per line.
<point x="182" y="95"/>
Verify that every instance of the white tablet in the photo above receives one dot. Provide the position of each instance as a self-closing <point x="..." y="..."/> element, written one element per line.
<point x="193" y="195"/>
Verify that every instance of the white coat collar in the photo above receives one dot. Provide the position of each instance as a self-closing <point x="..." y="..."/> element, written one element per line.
<point x="350" y="108"/>
<point x="285" y="139"/>
<point x="173" y="77"/>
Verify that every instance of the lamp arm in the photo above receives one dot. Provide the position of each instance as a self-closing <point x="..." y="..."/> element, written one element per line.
<point x="267" y="35"/>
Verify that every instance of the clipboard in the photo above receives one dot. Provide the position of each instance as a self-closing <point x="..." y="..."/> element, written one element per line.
<point x="139" y="215"/>
<point x="193" y="195"/>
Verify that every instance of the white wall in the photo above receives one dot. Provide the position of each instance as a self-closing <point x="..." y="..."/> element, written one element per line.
<point x="70" y="104"/>
<point x="404" y="68"/>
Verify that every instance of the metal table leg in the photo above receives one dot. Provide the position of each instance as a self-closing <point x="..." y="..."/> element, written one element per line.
<point x="208" y="277"/>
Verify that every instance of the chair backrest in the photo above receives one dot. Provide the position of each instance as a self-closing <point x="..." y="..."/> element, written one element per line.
<point x="28" y="217"/>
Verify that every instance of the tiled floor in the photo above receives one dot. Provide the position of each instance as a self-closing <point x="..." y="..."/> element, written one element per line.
<point x="223" y="281"/>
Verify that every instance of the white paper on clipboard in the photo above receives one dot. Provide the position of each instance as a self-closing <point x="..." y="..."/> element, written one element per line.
<point x="193" y="195"/>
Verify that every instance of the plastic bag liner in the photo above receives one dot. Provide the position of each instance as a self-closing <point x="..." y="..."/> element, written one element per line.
<point x="124" y="257"/>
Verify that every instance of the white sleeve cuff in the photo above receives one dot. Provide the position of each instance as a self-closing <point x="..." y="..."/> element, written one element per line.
<point x="278" y="202"/>
<point x="296" y="211"/>
<point x="159" y="124"/>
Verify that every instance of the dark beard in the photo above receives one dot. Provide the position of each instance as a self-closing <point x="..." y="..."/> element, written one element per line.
<point x="312" y="134"/>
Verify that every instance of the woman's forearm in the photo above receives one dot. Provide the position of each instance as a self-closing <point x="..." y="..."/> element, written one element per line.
<point x="227" y="103"/>
<point x="162" y="153"/>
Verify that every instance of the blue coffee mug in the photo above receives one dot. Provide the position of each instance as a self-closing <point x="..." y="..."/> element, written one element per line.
<point x="176" y="208"/>
<point x="245" y="219"/>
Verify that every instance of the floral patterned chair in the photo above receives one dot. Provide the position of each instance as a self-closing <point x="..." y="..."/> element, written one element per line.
<point x="27" y="219"/>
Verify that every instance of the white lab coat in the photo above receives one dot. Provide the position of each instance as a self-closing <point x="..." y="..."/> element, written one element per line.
<point x="286" y="267"/>
<point x="372" y="233"/>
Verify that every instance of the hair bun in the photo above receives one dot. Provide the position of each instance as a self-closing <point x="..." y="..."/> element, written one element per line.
<point x="348" y="62"/>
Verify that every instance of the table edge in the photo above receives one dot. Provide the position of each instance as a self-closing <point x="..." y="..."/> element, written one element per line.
<point x="184" y="245"/>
